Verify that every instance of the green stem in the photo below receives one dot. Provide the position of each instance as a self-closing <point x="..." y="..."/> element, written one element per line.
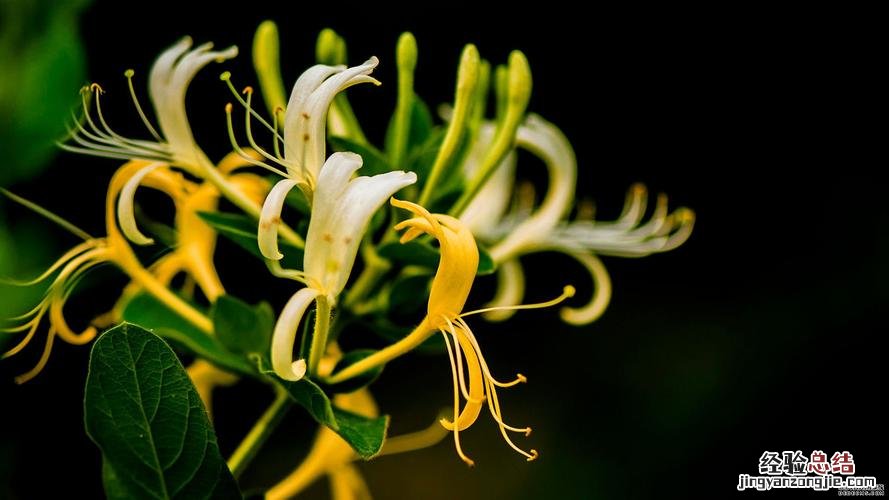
<point x="319" y="337"/>
<point x="260" y="432"/>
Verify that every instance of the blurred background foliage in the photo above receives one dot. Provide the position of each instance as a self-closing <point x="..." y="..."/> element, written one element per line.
<point x="764" y="332"/>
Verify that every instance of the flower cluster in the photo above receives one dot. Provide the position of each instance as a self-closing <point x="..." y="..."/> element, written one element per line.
<point x="460" y="209"/>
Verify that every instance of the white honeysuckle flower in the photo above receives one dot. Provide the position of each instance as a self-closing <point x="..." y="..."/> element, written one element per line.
<point x="546" y="229"/>
<point x="341" y="211"/>
<point x="168" y="82"/>
<point x="305" y="118"/>
<point x="483" y="214"/>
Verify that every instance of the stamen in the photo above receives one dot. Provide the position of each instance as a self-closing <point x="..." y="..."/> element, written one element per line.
<point x="70" y="254"/>
<point x="33" y="372"/>
<point x="129" y="74"/>
<point x="226" y="77"/>
<point x="462" y="455"/>
<point x="76" y="231"/>
<point x="275" y="135"/>
<point x="261" y="151"/>
<point x="243" y="154"/>
<point x="567" y="293"/>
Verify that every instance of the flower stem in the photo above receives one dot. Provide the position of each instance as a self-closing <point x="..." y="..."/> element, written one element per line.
<point x="319" y="337"/>
<point x="260" y="432"/>
<point x="383" y="356"/>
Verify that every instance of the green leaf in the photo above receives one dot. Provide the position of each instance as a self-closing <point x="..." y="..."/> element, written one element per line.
<point x="365" y="435"/>
<point x="374" y="160"/>
<point x="412" y="253"/>
<point x="358" y="382"/>
<point x="142" y="411"/>
<point x="114" y="488"/>
<point x="409" y="293"/>
<point x="242" y="230"/>
<point x="143" y="309"/>
<point x="421" y="158"/>
<point x="242" y="328"/>
<point x="419" y="127"/>
<point x="486" y="264"/>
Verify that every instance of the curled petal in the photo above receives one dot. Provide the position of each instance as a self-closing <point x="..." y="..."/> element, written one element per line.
<point x="601" y="296"/>
<point x="125" y="210"/>
<point x="270" y="219"/>
<point x="284" y="336"/>
<point x="510" y="290"/>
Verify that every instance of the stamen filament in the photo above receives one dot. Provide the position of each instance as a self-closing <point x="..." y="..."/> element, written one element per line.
<point x="567" y="293"/>
<point x="76" y="231"/>
<point x="129" y="74"/>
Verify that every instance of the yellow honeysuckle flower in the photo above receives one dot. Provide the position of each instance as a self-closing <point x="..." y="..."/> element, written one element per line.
<point x="450" y="289"/>
<point x="330" y="455"/>
<point x="341" y="210"/>
<point x="114" y="249"/>
<point x="525" y="230"/>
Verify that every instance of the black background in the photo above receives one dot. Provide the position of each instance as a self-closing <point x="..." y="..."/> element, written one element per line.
<point x="764" y="332"/>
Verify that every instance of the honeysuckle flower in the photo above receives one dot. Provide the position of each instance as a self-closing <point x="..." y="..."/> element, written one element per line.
<point x="330" y="455"/>
<point x="450" y="289"/>
<point x="515" y="234"/>
<point x="75" y="263"/>
<point x="305" y="121"/>
<point x="341" y="210"/>
<point x="168" y="82"/>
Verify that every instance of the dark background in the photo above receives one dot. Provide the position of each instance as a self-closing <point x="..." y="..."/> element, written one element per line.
<point x="764" y="332"/>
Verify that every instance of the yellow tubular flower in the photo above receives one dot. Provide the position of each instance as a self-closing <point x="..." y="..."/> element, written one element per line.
<point x="113" y="249"/>
<point x="450" y="289"/>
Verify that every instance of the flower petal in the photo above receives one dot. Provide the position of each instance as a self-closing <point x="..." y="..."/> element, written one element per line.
<point x="510" y="290"/>
<point x="270" y="219"/>
<point x="341" y="211"/>
<point x="126" y="214"/>
<point x="284" y="336"/>
<point x="601" y="296"/>
<point x="546" y="141"/>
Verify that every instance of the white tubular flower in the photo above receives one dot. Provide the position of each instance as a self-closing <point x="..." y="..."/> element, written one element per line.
<point x="483" y="214"/>
<point x="341" y="210"/>
<point x="168" y="82"/>
<point x="306" y="115"/>
<point x="545" y="228"/>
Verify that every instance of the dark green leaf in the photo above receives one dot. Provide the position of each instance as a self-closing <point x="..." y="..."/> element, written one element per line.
<point x="409" y="293"/>
<point x="114" y="489"/>
<point x="365" y="435"/>
<point x="410" y="253"/>
<point x="421" y="158"/>
<point x="419" y="127"/>
<point x="374" y="160"/>
<point x="486" y="264"/>
<point x="360" y="381"/>
<point x="242" y="230"/>
<point x="145" y="310"/>
<point x="143" y="413"/>
<point x="243" y="328"/>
